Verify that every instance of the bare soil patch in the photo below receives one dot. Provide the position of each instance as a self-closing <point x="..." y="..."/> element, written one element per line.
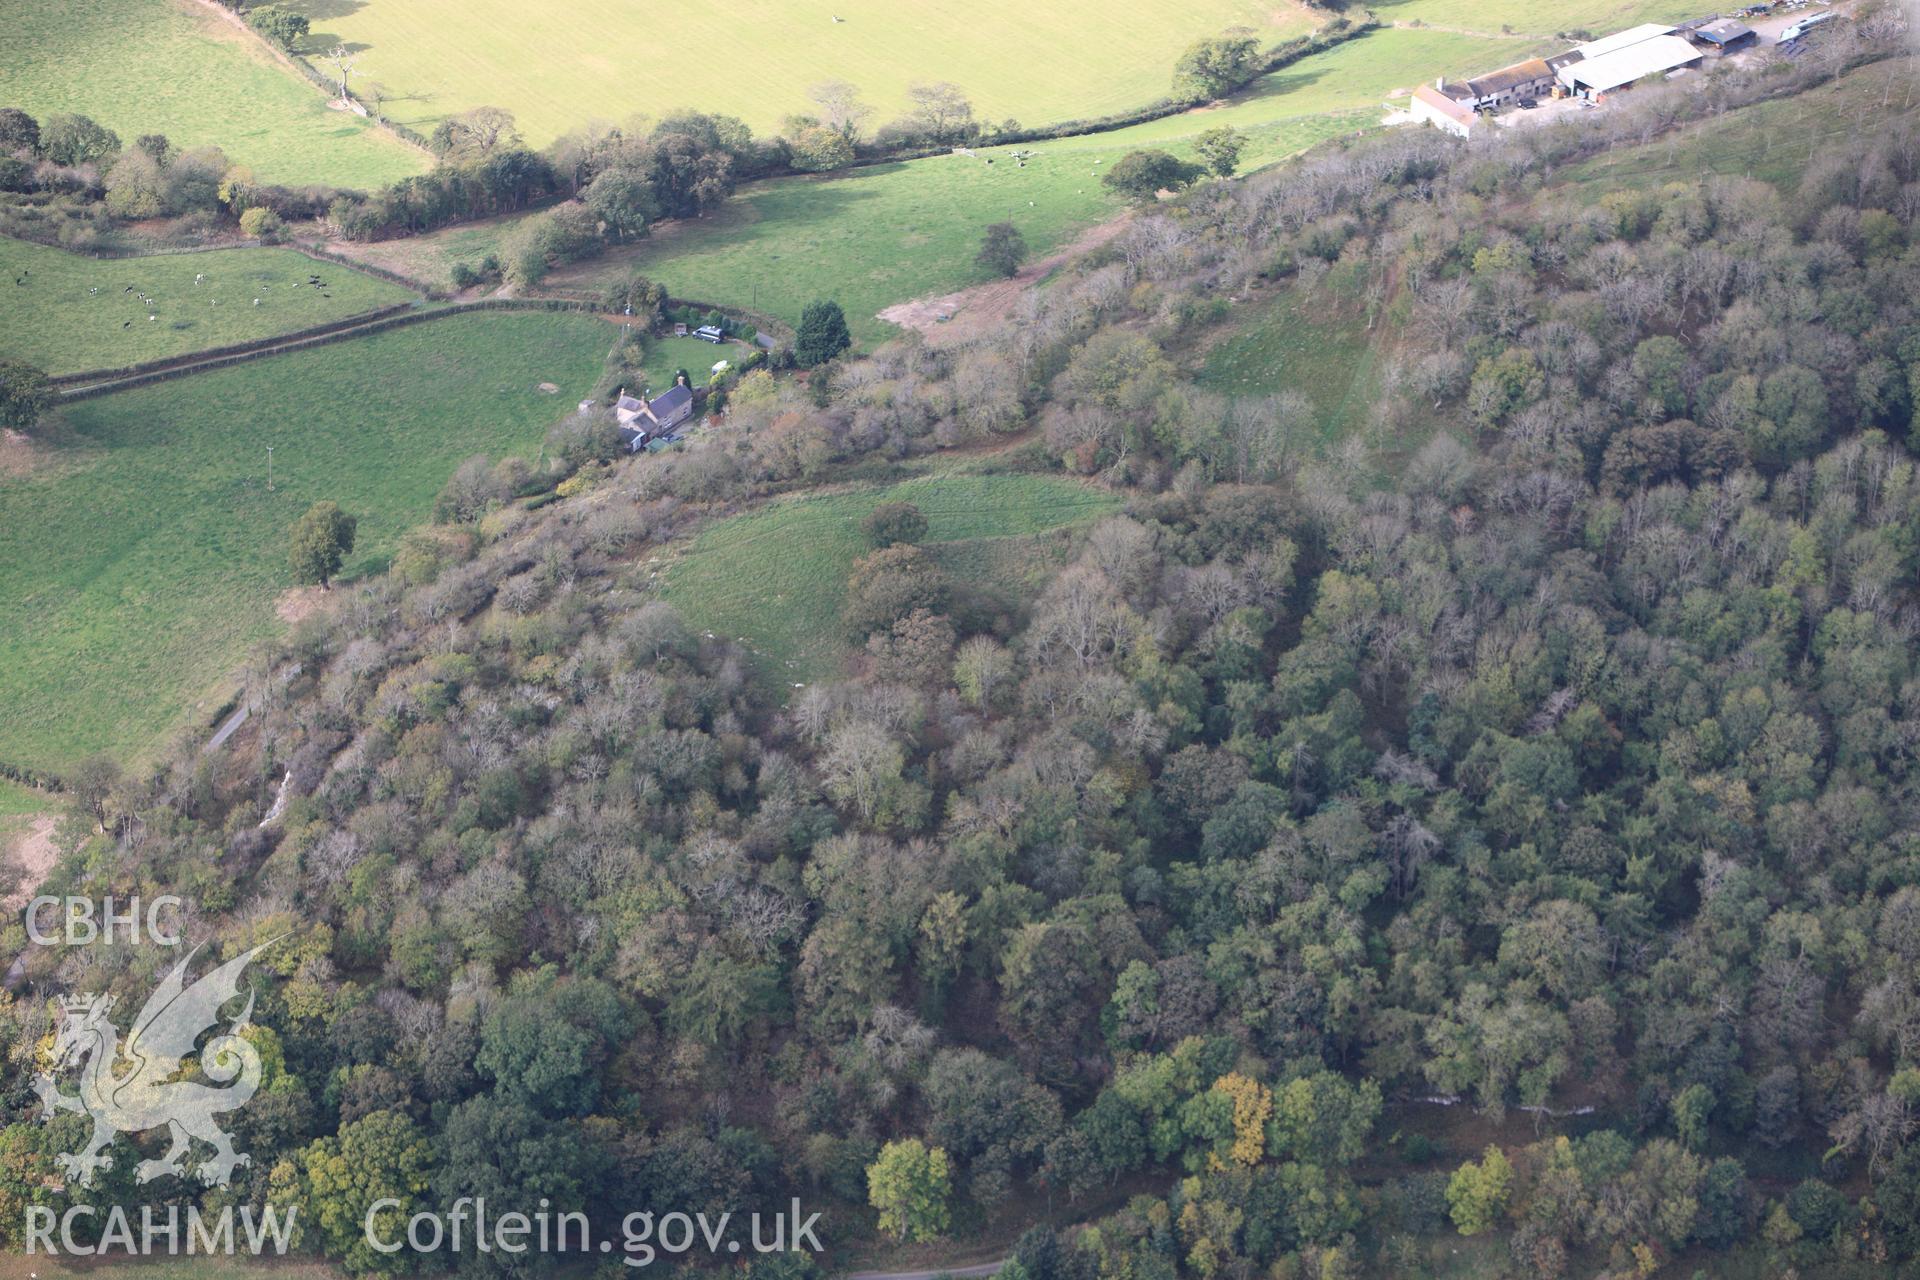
<point x="953" y="318"/>
<point x="297" y="604"/>
<point x="17" y="452"/>
<point x="27" y="863"/>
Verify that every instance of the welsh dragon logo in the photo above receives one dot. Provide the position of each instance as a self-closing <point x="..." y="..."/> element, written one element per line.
<point x="146" y="1091"/>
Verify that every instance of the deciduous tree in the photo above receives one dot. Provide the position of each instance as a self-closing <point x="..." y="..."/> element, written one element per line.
<point x="910" y="1185"/>
<point x="25" y="394"/>
<point x="1217" y="65"/>
<point x="1142" y="175"/>
<point x="321" y="540"/>
<point x="1002" y="250"/>
<point x="1219" y="149"/>
<point x="1477" y="1192"/>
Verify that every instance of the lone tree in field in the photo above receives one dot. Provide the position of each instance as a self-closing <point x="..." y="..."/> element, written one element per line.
<point x="1219" y="150"/>
<point x="910" y="1184"/>
<point x="893" y="522"/>
<point x="1142" y="175"/>
<point x="1215" y="66"/>
<point x="321" y="541"/>
<point x="25" y="394"/>
<point x="822" y="335"/>
<point x="341" y="59"/>
<point x="1002" y="250"/>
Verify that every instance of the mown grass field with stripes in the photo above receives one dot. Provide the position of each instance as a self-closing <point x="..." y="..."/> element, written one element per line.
<point x="176" y="67"/>
<point x="556" y="66"/>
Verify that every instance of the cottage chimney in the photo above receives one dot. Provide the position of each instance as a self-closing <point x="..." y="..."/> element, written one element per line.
<point x="1440" y="83"/>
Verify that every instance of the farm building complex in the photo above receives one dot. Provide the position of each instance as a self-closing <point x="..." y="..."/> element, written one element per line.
<point x="1606" y="65"/>
<point x="1725" y="35"/>
<point x="1589" y="71"/>
<point x="1432" y="105"/>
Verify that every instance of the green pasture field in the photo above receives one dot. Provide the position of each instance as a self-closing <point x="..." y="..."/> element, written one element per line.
<point x="890" y="233"/>
<point x="141" y="555"/>
<point x="776" y="577"/>
<point x="67" y="312"/>
<point x="18" y="801"/>
<point x="1536" y="17"/>
<point x="557" y="66"/>
<point x="1771" y="141"/>
<point x="174" y="67"/>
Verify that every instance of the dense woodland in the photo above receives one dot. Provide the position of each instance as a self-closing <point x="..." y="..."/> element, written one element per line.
<point x="1552" y="745"/>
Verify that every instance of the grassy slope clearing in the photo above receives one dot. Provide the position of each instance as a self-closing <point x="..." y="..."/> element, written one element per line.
<point x="1771" y="141"/>
<point x="74" y="312"/>
<point x="139" y="561"/>
<point x="557" y="66"/>
<point x="1317" y="345"/>
<point x="776" y="577"/>
<point x="883" y="235"/>
<point x="17" y="800"/>
<point x="170" y="66"/>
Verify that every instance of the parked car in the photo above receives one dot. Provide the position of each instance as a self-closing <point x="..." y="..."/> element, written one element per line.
<point x="1527" y="104"/>
<point x="709" y="333"/>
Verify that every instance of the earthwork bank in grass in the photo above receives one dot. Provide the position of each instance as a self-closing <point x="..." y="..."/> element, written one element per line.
<point x="776" y="577"/>
<point x="175" y="67"/>
<point x="141" y="556"/>
<point x="67" y="312"/>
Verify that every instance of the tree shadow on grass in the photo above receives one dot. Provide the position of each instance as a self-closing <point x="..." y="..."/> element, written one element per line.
<point x="317" y="11"/>
<point x="766" y="214"/>
<point x="1278" y="85"/>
